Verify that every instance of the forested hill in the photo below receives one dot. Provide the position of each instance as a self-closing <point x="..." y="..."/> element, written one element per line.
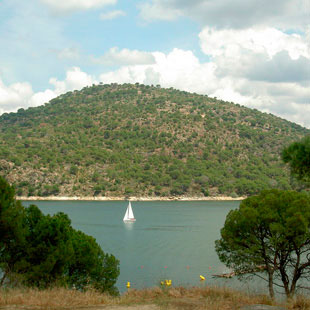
<point x="137" y="140"/>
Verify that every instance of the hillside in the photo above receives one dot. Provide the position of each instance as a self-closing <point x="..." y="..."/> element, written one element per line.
<point x="115" y="140"/>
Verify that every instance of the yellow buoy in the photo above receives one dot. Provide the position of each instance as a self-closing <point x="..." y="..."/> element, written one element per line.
<point x="202" y="278"/>
<point x="128" y="285"/>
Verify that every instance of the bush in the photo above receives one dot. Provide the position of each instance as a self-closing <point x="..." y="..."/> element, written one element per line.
<point x="90" y="266"/>
<point x="43" y="250"/>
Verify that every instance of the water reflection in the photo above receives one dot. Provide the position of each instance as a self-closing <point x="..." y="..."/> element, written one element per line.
<point x="128" y="226"/>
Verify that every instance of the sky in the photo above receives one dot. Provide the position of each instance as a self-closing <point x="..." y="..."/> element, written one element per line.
<point x="252" y="52"/>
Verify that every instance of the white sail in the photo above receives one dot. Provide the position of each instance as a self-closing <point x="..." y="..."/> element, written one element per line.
<point x="129" y="217"/>
<point x="126" y="218"/>
<point x="130" y="212"/>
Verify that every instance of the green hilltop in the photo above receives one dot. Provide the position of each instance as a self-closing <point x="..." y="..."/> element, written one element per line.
<point x="137" y="140"/>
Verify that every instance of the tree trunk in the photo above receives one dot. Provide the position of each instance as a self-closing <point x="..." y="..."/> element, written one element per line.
<point x="3" y="278"/>
<point x="270" y="284"/>
<point x="293" y="285"/>
<point x="285" y="281"/>
<point x="297" y="273"/>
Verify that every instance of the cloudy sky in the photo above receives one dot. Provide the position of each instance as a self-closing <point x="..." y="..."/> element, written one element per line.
<point x="252" y="52"/>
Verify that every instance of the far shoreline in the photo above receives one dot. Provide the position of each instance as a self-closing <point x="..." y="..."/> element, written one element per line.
<point x="132" y="198"/>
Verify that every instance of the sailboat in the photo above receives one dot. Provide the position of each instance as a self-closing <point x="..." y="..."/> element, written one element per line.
<point x="129" y="217"/>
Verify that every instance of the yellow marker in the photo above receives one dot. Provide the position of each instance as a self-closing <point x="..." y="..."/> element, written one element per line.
<point x="202" y="278"/>
<point x="128" y="285"/>
<point x="168" y="282"/>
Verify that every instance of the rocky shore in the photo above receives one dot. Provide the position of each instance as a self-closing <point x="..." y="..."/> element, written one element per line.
<point x="132" y="198"/>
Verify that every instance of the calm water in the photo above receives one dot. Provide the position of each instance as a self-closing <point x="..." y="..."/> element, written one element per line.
<point x="170" y="240"/>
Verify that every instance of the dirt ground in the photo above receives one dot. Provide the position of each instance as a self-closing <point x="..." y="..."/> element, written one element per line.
<point x="137" y="307"/>
<point x="116" y="307"/>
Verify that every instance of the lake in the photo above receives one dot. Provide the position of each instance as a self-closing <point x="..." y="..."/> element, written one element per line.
<point x="169" y="240"/>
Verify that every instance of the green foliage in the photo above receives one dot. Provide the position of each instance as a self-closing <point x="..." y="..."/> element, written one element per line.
<point x="44" y="250"/>
<point x="74" y="170"/>
<point x="90" y="266"/>
<point x="297" y="155"/>
<point x="269" y="233"/>
<point x="134" y="138"/>
<point x="49" y="190"/>
<point x="11" y="228"/>
<point x="48" y="248"/>
<point x="9" y="210"/>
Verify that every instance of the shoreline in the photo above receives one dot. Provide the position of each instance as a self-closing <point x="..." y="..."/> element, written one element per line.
<point x="131" y="198"/>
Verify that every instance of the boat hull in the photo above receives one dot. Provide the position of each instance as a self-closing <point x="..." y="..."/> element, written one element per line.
<point x="129" y="221"/>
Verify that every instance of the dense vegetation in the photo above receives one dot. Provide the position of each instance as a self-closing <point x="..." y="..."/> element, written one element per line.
<point x="112" y="140"/>
<point x="41" y="251"/>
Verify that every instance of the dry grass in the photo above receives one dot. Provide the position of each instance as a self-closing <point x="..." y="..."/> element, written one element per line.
<point x="207" y="298"/>
<point x="299" y="303"/>
<point x="196" y="298"/>
<point x="52" y="298"/>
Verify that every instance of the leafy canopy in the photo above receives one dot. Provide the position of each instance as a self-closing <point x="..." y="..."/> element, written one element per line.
<point x="269" y="234"/>
<point x="90" y="266"/>
<point x="12" y="229"/>
<point x="48" y="249"/>
<point x="297" y="155"/>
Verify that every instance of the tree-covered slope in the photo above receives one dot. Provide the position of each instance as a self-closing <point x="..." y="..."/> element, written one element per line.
<point x="112" y="140"/>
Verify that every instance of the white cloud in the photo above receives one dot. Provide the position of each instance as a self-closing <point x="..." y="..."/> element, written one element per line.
<point x="182" y="69"/>
<point x="270" y="68"/>
<point x="151" y="76"/>
<point x="266" y="40"/>
<point x="76" y="79"/>
<point x="21" y="95"/>
<point x="40" y="98"/>
<point x="229" y="93"/>
<point x="112" y="14"/>
<point x="298" y="113"/>
<point x="14" y="96"/>
<point x="179" y="69"/>
<point x="230" y="14"/>
<point x="117" y="57"/>
<point x="63" y="6"/>
<point x="244" y="55"/>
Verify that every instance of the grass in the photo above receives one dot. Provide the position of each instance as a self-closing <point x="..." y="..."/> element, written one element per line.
<point x="210" y="298"/>
<point x="52" y="298"/>
<point x="207" y="298"/>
